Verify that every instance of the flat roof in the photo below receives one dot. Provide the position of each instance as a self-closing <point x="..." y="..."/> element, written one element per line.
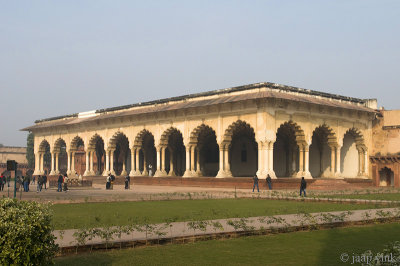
<point x="173" y="103"/>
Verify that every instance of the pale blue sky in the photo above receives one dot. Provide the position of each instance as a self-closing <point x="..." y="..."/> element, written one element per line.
<point x="62" y="57"/>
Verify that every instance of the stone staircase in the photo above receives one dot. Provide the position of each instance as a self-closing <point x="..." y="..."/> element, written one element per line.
<point x="332" y="184"/>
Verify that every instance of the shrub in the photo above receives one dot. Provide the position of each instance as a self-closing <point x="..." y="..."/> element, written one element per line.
<point x="26" y="233"/>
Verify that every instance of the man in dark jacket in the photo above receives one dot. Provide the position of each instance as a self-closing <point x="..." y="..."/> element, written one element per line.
<point x="255" y="183"/>
<point x="45" y="181"/>
<point x="127" y="181"/>
<point x="303" y="186"/>
<point x="2" y="182"/>
<point x="269" y="182"/>
<point x="39" y="184"/>
<point x="59" y="182"/>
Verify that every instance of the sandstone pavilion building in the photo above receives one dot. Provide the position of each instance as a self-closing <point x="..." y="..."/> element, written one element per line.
<point x="263" y="128"/>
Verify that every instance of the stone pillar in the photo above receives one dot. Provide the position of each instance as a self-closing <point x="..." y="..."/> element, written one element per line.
<point x="359" y="162"/>
<point x="227" y="167"/>
<point x="198" y="170"/>
<point x="68" y="162"/>
<point x="366" y="166"/>
<point x="37" y="164"/>
<point x="91" y="163"/>
<point x="171" y="163"/>
<point x="112" y="170"/>
<point x="337" y="172"/>
<point x="124" y="172"/>
<point x="87" y="161"/>
<point x="145" y="172"/>
<point x="307" y="174"/>
<point x="271" y="171"/>
<point x="187" y="173"/>
<point x="260" y="171"/>
<point x="300" y="173"/>
<point x="333" y="155"/>
<point x="107" y="163"/>
<point x="52" y="172"/>
<point x="133" y="163"/>
<point x="221" y="162"/>
<point x="192" y="162"/>
<point x="57" y="159"/>
<point x="73" y="164"/>
<point x="160" y="165"/>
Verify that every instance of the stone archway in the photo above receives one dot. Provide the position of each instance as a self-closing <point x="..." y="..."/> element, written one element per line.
<point x="120" y="160"/>
<point x="289" y="137"/>
<point x="386" y="177"/>
<point x="207" y="150"/>
<point x="242" y="149"/>
<point x="172" y="153"/>
<point x="352" y="154"/>
<point x="96" y="147"/>
<point x="59" y="157"/>
<point x="44" y="158"/>
<point x="77" y="151"/>
<point x="146" y="155"/>
<point x="322" y="152"/>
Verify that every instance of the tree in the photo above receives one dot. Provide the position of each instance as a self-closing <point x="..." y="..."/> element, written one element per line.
<point x="30" y="156"/>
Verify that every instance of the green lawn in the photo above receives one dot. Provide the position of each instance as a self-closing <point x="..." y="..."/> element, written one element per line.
<point x="372" y="196"/>
<point x="322" y="247"/>
<point x="118" y="213"/>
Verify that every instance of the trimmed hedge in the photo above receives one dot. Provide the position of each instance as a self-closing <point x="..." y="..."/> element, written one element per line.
<point x="26" y="233"/>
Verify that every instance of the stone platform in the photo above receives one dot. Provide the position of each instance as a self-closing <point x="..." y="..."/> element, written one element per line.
<point x="240" y="182"/>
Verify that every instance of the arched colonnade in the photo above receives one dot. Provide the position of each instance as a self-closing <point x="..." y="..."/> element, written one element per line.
<point x="236" y="153"/>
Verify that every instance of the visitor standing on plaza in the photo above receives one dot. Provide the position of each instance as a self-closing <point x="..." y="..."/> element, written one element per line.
<point x="33" y="180"/>
<point x="303" y="186"/>
<point x="127" y="181"/>
<point x="45" y="181"/>
<point x="25" y="183"/>
<point x="39" y="184"/>
<point x="150" y="170"/>
<point x="65" y="183"/>
<point x="2" y="182"/>
<point x="255" y="183"/>
<point x="59" y="183"/>
<point x="269" y="182"/>
<point x="108" y="181"/>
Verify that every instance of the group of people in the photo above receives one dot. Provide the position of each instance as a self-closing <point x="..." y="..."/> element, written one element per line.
<point x="111" y="178"/>
<point x="41" y="180"/>
<point x="3" y="181"/>
<point x="303" y="184"/>
<point x="62" y="179"/>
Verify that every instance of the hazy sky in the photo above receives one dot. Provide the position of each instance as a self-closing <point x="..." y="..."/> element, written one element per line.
<point x="63" y="57"/>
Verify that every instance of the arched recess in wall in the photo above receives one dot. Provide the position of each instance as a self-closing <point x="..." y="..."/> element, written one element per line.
<point x="286" y="149"/>
<point x="386" y="177"/>
<point x="353" y="143"/>
<point x="96" y="144"/>
<point x="44" y="149"/>
<point x="78" y="147"/>
<point x="243" y="155"/>
<point x="172" y="141"/>
<point x="323" y="140"/>
<point x="119" y="145"/>
<point x="208" y="151"/>
<point x="147" y="154"/>
<point x="60" y="147"/>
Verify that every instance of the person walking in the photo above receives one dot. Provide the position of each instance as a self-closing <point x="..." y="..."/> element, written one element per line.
<point x="59" y="183"/>
<point x="28" y="182"/>
<point x="255" y="183"/>
<point x="112" y="182"/>
<point x="2" y="182"/>
<point x="33" y="180"/>
<point x="65" y="183"/>
<point x="269" y="182"/>
<point x="127" y="181"/>
<point x="303" y="186"/>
